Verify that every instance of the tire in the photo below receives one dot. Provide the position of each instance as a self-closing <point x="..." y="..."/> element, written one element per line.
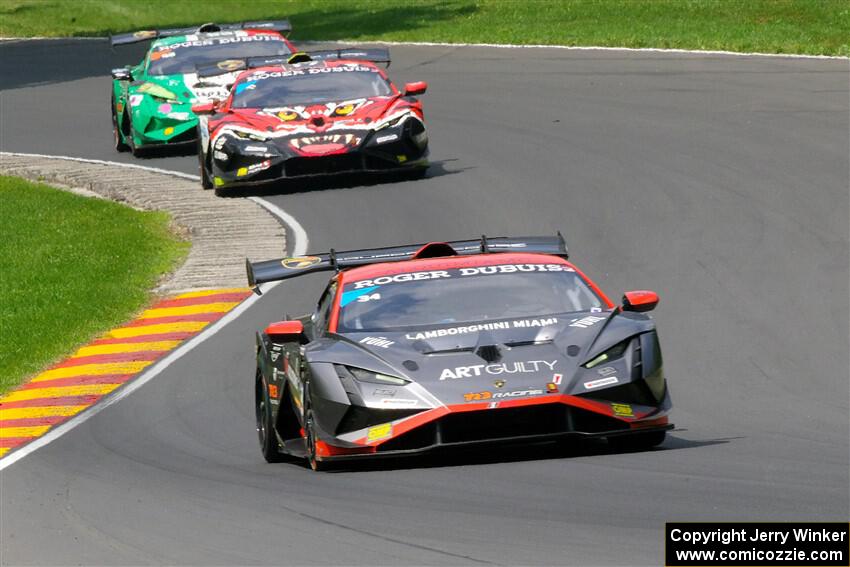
<point x="120" y="144"/>
<point x="265" y="427"/>
<point x="638" y="441"/>
<point x="206" y="182"/>
<point x="310" y="442"/>
<point x="137" y="151"/>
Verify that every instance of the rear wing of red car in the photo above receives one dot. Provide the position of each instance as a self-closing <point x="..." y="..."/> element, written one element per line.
<point x="285" y="268"/>
<point x="379" y="55"/>
<point x="281" y="26"/>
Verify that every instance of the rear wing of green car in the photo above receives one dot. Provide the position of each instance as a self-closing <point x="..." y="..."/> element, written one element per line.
<point x="281" y="26"/>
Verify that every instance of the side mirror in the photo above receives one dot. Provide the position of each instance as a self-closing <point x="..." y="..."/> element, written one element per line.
<point x="286" y="332"/>
<point x="122" y="74"/>
<point x="640" y="301"/>
<point x="417" y="88"/>
<point x="204" y="108"/>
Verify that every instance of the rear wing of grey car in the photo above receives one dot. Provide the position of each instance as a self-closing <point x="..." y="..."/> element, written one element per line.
<point x="281" y="26"/>
<point x="285" y="268"/>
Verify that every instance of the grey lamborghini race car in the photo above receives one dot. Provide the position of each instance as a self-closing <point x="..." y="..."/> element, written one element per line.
<point x="414" y="348"/>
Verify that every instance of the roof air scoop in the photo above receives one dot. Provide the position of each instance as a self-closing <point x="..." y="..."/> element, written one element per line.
<point x="489" y="353"/>
<point x="435" y="250"/>
<point x="210" y="27"/>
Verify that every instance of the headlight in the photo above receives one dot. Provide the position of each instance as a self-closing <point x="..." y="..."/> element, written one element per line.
<point x="156" y="91"/>
<point x="393" y="122"/>
<point x="376" y="378"/>
<point x="248" y="136"/>
<point x="612" y="353"/>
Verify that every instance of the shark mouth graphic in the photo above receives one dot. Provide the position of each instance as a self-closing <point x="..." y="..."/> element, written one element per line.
<point x="325" y="144"/>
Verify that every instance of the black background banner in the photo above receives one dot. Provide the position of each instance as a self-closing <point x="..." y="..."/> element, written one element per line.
<point x="744" y="544"/>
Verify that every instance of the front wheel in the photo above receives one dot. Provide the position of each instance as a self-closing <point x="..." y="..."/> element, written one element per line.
<point x="120" y="144"/>
<point x="206" y="182"/>
<point x="131" y="141"/>
<point x="265" y="426"/>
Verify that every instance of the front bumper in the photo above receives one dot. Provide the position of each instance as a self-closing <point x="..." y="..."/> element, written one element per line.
<point x="238" y="162"/>
<point x="518" y="421"/>
<point x="160" y="131"/>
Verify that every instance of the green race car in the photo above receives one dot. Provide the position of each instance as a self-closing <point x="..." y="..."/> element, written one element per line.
<point x="152" y="101"/>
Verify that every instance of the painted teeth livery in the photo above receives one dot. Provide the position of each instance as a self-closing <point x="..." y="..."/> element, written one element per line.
<point x="97" y="369"/>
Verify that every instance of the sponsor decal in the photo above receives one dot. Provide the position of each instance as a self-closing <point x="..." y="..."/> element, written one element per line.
<point x="622" y="410"/>
<point x="601" y="382"/>
<point x="221" y="40"/>
<point x="220" y="142"/>
<point x="517" y="324"/>
<point x="387" y="138"/>
<point x="383" y="392"/>
<point x="481" y="396"/>
<point x="178" y="115"/>
<point x="273" y="391"/>
<point x="246" y="86"/>
<point x="477" y="396"/>
<point x="349" y="296"/>
<point x="398" y="403"/>
<point x="382" y="342"/>
<point x="261" y="149"/>
<point x="135" y="100"/>
<point x="243" y="171"/>
<point x="492" y="405"/>
<point x="586" y="322"/>
<point x="462" y="272"/>
<point x="525" y="367"/>
<point x="606" y="371"/>
<point x="346" y="68"/>
<point x="556" y="378"/>
<point x="230" y="64"/>
<point x="300" y="262"/>
<point x="274" y="356"/>
<point x="379" y="432"/>
<point x="219" y="155"/>
<point x="408" y="277"/>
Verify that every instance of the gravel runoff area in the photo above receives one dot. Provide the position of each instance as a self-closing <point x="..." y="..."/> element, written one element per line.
<point x="223" y="232"/>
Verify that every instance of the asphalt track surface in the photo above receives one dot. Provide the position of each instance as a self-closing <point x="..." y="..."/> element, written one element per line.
<point x="720" y="182"/>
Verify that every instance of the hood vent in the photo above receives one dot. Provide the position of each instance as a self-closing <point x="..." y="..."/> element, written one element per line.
<point x="489" y="353"/>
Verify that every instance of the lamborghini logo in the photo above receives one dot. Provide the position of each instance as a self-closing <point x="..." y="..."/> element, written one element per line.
<point x="300" y="262"/>
<point x="499" y="383"/>
<point x="230" y="64"/>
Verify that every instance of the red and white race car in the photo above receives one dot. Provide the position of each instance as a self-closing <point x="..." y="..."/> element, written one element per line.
<point x="320" y="113"/>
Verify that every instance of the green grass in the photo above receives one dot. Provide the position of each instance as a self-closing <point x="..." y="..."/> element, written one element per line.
<point x="771" y="26"/>
<point x="71" y="268"/>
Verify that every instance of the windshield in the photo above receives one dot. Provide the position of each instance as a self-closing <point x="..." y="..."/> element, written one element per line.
<point x="182" y="58"/>
<point x="464" y="295"/>
<point x="309" y="86"/>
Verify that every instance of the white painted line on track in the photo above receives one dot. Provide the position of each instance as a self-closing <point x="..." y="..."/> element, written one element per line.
<point x="509" y="46"/>
<point x="299" y="248"/>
